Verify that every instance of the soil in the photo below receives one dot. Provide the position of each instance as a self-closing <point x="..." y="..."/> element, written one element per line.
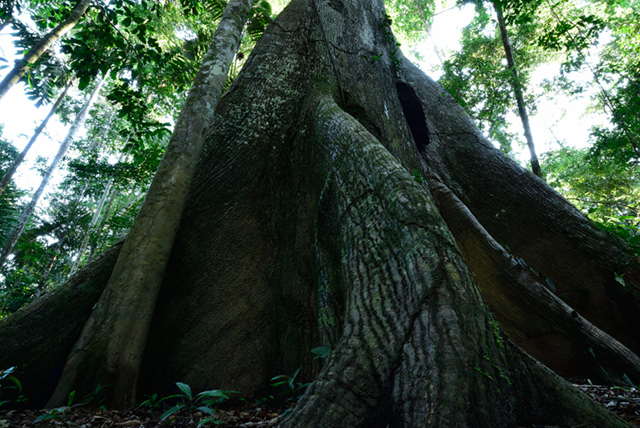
<point x="625" y="402"/>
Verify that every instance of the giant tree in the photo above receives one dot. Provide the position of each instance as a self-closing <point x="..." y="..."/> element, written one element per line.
<point x="349" y="201"/>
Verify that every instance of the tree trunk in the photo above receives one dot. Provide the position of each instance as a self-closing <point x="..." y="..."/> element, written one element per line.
<point x="317" y="216"/>
<point x="49" y="327"/>
<point x="112" y="343"/>
<point x="41" y="47"/>
<point x="95" y="147"/>
<point x="533" y="223"/>
<point x="78" y="123"/>
<point x="517" y="90"/>
<point x="97" y="217"/>
<point x="9" y="174"/>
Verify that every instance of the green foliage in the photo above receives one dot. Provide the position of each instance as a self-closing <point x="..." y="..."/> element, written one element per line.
<point x="45" y="253"/>
<point x="605" y="188"/>
<point x="259" y="18"/>
<point x="321" y="352"/>
<point x="204" y="402"/>
<point x="385" y="25"/>
<point x="149" y="52"/>
<point x="626" y="228"/>
<point x="49" y="73"/>
<point x="95" y="398"/>
<point x="10" y="383"/>
<point x="10" y="206"/>
<point x="290" y="389"/>
<point x="478" y="79"/>
<point x="410" y="17"/>
<point x="620" y="140"/>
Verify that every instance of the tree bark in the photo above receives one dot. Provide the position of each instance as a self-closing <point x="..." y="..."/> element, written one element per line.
<point x="9" y="174"/>
<point x="532" y="221"/>
<point x="517" y="90"/>
<point x="78" y="123"/>
<point x="316" y="218"/>
<point x="263" y="225"/>
<point x="527" y="308"/>
<point x="113" y="341"/>
<point x="41" y="47"/>
<point x="38" y="338"/>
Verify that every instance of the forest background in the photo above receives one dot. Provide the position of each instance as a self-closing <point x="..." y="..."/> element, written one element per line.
<point x="138" y="59"/>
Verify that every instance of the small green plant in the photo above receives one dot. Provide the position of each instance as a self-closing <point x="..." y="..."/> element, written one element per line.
<point x="262" y="400"/>
<point x="152" y="402"/>
<point x="417" y="176"/>
<point x="60" y="412"/>
<point x="94" y="398"/>
<point x="291" y="390"/>
<point x="373" y="58"/>
<point x="9" y="382"/>
<point x="388" y="36"/>
<point x="203" y="402"/>
<point x="321" y="352"/>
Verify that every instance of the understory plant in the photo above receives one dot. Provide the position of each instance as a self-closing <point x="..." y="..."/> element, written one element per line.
<point x="93" y="399"/>
<point x="8" y="382"/>
<point x="204" y="402"/>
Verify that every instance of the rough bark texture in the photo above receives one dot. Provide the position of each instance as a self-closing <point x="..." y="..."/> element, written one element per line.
<point x="314" y="218"/>
<point x="533" y="222"/>
<point x="529" y="311"/>
<point x="112" y="344"/>
<point x="38" y="338"/>
<point x="33" y="54"/>
<point x="393" y="296"/>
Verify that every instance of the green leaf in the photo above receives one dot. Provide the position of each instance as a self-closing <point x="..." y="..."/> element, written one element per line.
<point x="321" y="351"/>
<point x="206" y="410"/>
<point x="213" y="393"/>
<point x="52" y="415"/>
<point x="185" y="388"/>
<point x="15" y="380"/>
<point x="171" y="411"/>
<point x="5" y="373"/>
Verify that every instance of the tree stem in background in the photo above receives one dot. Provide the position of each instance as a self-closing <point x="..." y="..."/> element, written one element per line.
<point x="517" y="89"/>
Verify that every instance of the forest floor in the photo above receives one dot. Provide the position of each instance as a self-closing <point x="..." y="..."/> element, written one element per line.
<point x="625" y="402"/>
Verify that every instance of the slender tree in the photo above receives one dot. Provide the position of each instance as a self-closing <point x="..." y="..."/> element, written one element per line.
<point x="32" y="55"/>
<point x="96" y="219"/>
<point x="77" y="125"/>
<point x="16" y="163"/>
<point x="517" y="90"/>
<point x="136" y="280"/>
